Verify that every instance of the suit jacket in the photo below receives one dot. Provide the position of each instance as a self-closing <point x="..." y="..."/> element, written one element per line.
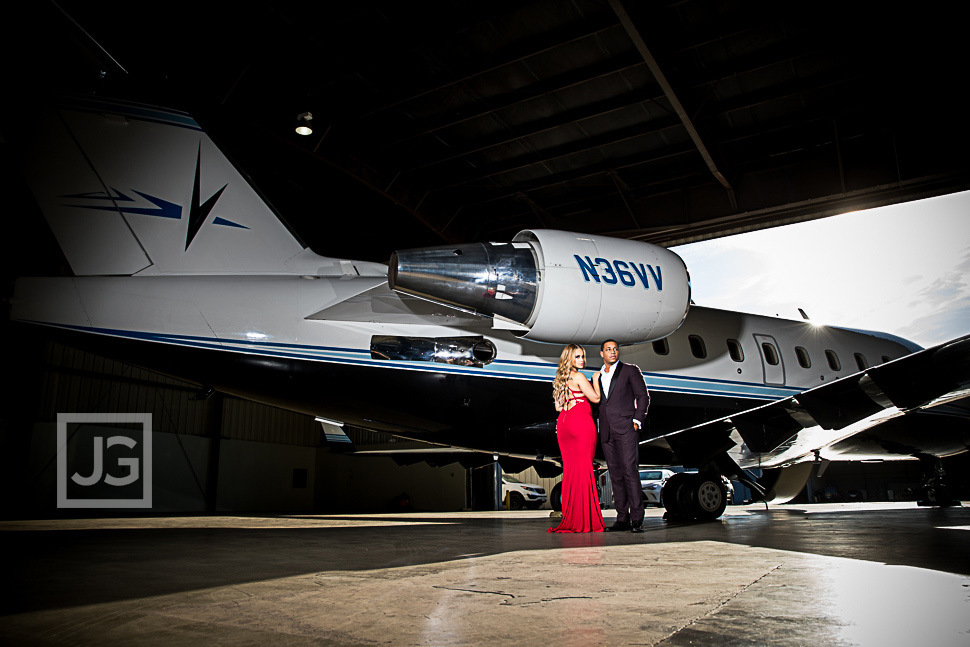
<point x="628" y="400"/>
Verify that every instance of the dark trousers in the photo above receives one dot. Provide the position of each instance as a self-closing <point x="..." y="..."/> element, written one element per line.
<point x="623" y="459"/>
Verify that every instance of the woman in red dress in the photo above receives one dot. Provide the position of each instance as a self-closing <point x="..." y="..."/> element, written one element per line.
<point x="576" y="432"/>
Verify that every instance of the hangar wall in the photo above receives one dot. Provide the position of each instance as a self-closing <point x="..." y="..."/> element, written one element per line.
<point x="378" y="484"/>
<point x="218" y="454"/>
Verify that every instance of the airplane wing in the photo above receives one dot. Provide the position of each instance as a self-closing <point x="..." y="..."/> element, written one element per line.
<point x="882" y="410"/>
<point x="380" y="304"/>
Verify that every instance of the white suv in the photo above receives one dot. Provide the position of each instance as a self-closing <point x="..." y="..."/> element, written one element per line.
<point x="521" y="494"/>
<point x="652" y="481"/>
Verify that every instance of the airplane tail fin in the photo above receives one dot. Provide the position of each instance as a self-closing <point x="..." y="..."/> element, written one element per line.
<point x="133" y="189"/>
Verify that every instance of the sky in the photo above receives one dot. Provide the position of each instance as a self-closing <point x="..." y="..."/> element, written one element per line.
<point x="902" y="269"/>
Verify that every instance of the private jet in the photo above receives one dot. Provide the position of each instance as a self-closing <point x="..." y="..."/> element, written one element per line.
<point x="181" y="267"/>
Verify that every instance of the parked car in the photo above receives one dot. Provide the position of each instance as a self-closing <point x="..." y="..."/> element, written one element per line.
<point x="522" y="495"/>
<point x="652" y="481"/>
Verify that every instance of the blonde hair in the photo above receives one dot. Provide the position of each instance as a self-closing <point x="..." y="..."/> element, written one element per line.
<point x="560" y="392"/>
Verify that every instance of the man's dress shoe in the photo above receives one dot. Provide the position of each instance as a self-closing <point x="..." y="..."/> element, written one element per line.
<point x="637" y="527"/>
<point x="618" y="526"/>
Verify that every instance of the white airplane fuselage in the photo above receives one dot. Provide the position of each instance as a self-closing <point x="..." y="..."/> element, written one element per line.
<point x="251" y="336"/>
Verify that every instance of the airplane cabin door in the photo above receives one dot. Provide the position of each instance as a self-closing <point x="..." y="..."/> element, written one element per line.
<point x="774" y="367"/>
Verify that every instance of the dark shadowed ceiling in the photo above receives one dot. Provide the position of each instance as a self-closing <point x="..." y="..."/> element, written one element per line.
<point x="439" y="122"/>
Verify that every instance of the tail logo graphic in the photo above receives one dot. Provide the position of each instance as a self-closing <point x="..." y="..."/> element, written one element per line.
<point x="199" y="212"/>
<point x="125" y="204"/>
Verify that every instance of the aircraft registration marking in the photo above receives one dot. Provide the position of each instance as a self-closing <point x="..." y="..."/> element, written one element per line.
<point x="619" y="272"/>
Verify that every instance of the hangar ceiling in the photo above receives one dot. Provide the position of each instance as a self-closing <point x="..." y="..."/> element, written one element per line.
<point x="438" y="122"/>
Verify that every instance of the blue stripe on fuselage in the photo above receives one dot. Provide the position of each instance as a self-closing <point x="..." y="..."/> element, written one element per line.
<point x="134" y="111"/>
<point x="504" y="369"/>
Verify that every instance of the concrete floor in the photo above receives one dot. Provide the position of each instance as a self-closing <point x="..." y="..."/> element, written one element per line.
<point x="828" y="574"/>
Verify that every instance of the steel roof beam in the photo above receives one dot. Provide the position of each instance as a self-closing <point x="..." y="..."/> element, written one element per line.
<point x="489" y="105"/>
<point x="675" y="103"/>
<point x="571" y="35"/>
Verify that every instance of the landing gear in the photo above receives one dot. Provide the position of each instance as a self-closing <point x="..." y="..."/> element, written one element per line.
<point x="699" y="496"/>
<point x="555" y="497"/>
<point x="710" y="496"/>
<point x="676" y="498"/>
<point x="935" y="491"/>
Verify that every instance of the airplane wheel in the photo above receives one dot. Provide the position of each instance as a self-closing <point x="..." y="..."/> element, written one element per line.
<point x="676" y="497"/>
<point x="709" y="496"/>
<point x="699" y="496"/>
<point x="555" y="498"/>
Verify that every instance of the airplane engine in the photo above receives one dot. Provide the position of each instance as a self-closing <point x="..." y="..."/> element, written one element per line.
<point x="554" y="286"/>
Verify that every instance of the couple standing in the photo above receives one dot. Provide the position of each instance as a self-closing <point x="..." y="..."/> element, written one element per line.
<point x="622" y="394"/>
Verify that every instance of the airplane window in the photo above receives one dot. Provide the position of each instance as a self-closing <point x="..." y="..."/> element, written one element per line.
<point x="833" y="359"/>
<point x="734" y="348"/>
<point x="661" y="347"/>
<point x="771" y="355"/>
<point x="697" y="347"/>
<point x="861" y="362"/>
<point x="803" y="359"/>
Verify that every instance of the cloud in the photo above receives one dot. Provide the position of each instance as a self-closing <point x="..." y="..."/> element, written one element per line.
<point x="943" y="307"/>
<point x="903" y="269"/>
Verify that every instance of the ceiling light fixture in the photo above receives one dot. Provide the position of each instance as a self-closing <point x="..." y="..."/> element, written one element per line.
<point x="303" y="123"/>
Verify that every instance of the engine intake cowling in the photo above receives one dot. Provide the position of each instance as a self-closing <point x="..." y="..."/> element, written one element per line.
<point x="560" y="287"/>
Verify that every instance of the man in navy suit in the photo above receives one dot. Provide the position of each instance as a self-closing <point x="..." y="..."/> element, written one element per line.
<point x="624" y="401"/>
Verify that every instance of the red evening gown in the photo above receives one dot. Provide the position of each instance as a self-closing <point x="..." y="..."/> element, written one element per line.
<point x="577" y="442"/>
